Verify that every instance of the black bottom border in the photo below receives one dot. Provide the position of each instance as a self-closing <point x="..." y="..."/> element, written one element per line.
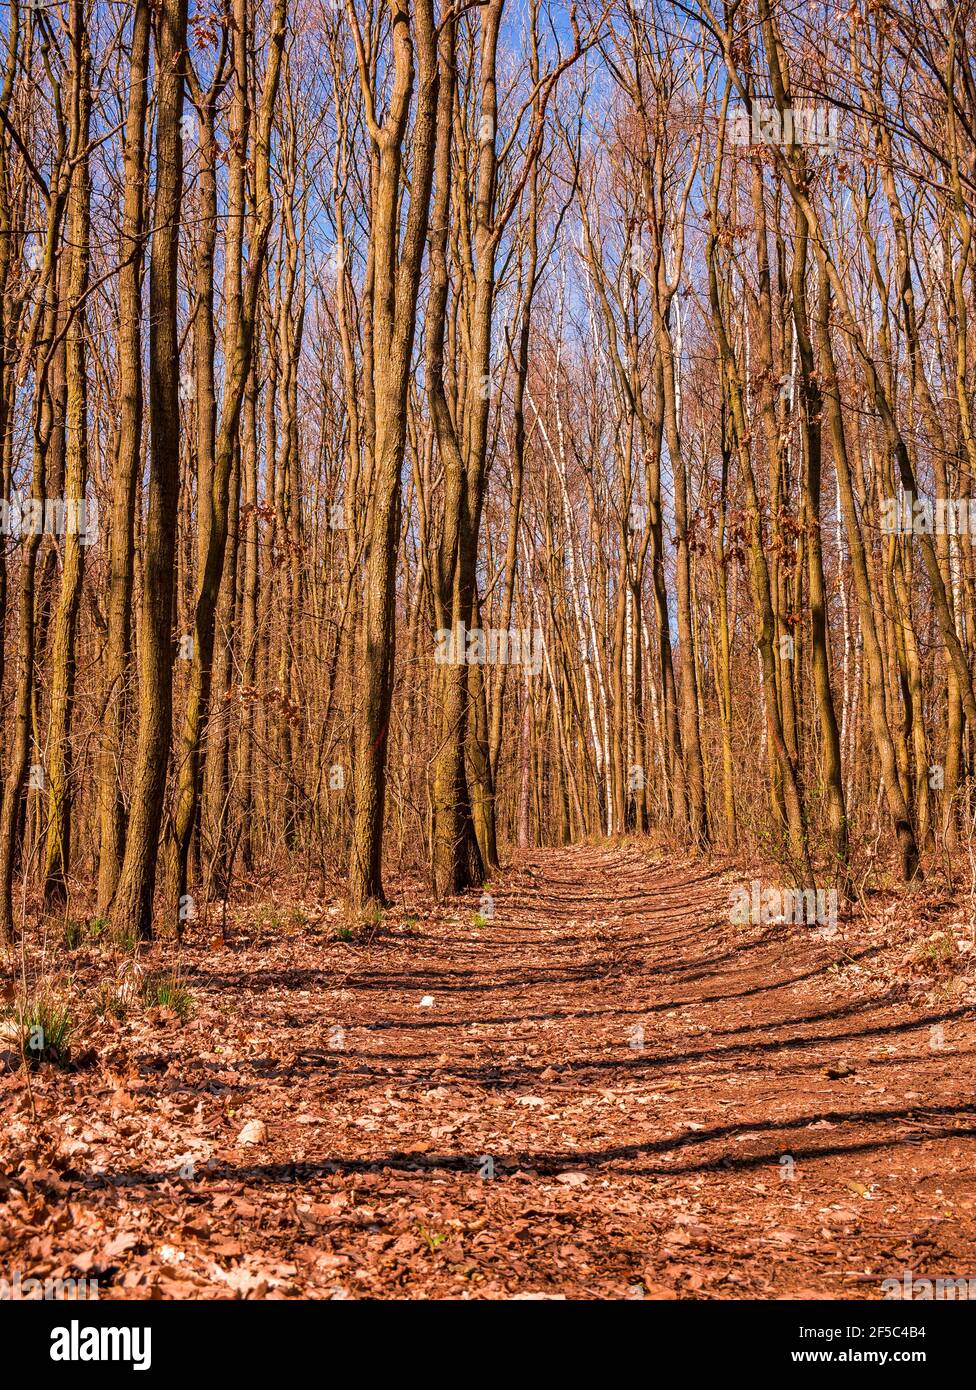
<point x="188" y="1341"/>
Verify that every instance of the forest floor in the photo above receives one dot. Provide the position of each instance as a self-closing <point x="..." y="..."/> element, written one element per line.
<point x="605" y="1091"/>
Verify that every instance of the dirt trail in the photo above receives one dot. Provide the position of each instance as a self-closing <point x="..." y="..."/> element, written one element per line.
<point x="613" y="1092"/>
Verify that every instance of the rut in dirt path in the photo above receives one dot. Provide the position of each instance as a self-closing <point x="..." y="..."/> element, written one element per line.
<point x="665" y="1101"/>
<point x="607" y="1091"/>
<point x="652" y="1093"/>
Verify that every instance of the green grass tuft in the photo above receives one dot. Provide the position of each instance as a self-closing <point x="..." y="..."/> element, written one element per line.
<point x="43" y="1029"/>
<point x="166" y="991"/>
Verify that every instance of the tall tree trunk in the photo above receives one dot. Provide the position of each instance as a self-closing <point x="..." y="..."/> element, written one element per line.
<point x="394" y="291"/>
<point x="116" y="701"/>
<point x="63" y="653"/>
<point x="240" y="337"/>
<point x="132" y="910"/>
<point x="811" y="414"/>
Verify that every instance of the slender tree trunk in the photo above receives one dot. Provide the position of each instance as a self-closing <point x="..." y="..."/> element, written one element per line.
<point x="240" y="336"/>
<point x="63" y="652"/>
<point x="132" y="910"/>
<point x="394" y="291"/>
<point x="116" y="702"/>
<point x="811" y="412"/>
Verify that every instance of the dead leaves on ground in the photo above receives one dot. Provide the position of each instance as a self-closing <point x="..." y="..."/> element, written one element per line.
<point x="613" y="1093"/>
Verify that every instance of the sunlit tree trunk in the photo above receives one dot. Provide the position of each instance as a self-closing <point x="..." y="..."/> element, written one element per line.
<point x="132" y="910"/>
<point x="116" y="702"/>
<point x="64" y="634"/>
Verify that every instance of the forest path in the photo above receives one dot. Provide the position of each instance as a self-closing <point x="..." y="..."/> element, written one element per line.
<point x="614" y="1092"/>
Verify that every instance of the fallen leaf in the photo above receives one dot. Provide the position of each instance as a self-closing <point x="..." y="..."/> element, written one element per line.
<point x="254" y="1132"/>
